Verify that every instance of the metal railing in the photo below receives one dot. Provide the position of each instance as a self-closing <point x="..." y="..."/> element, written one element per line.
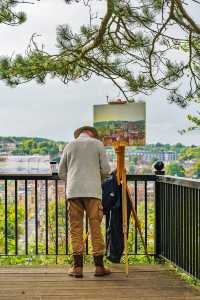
<point x="34" y="215"/>
<point x="25" y="201"/>
<point x="178" y="222"/>
<point x="34" y="218"/>
<point x="142" y="190"/>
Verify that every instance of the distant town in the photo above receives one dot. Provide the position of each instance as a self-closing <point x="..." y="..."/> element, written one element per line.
<point x="180" y="160"/>
<point x="33" y="155"/>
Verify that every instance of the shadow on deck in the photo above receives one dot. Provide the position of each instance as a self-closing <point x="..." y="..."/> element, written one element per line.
<point x="154" y="282"/>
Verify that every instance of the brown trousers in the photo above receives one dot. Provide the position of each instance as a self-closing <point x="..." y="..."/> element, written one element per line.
<point x="94" y="211"/>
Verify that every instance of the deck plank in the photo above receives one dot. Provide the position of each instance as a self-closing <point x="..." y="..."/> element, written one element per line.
<point x="153" y="282"/>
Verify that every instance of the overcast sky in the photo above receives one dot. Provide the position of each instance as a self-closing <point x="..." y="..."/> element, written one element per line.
<point x="54" y="110"/>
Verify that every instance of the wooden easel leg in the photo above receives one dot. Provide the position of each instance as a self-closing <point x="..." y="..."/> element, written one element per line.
<point x="124" y="214"/>
<point x="85" y="237"/>
<point x="121" y="178"/>
<point x="137" y="223"/>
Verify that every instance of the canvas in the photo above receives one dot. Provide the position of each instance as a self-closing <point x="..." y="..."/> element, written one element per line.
<point x="121" y="123"/>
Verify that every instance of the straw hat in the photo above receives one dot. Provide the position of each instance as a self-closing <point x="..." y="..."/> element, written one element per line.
<point x="78" y="131"/>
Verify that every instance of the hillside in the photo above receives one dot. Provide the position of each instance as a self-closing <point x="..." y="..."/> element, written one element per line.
<point x="30" y="146"/>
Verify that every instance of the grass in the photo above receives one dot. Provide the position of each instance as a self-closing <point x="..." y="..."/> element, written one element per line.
<point x="185" y="276"/>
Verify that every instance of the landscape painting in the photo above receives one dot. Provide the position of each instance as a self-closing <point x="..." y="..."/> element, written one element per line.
<point x="121" y="123"/>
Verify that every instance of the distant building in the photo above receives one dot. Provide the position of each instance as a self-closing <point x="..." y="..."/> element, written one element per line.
<point x="147" y="156"/>
<point x="165" y="156"/>
<point x="7" y="147"/>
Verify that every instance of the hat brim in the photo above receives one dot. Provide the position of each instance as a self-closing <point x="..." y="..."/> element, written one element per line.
<point x="78" y="131"/>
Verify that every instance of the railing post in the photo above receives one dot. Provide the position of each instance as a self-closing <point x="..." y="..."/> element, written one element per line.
<point x="157" y="222"/>
<point x="158" y="170"/>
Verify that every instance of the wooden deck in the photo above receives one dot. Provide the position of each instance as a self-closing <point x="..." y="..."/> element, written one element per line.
<point x="149" y="282"/>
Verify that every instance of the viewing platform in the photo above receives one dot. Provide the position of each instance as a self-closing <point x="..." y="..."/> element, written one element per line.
<point x="145" y="282"/>
<point x="34" y="223"/>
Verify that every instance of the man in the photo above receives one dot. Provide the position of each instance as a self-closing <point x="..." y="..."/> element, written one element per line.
<point x="83" y="166"/>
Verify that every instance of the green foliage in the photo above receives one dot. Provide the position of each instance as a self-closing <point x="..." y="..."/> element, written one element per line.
<point x="32" y="259"/>
<point x="159" y="147"/>
<point x="190" y="153"/>
<point x="32" y="146"/>
<point x="131" y="46"/>
<point x="195" y="169"/>
<point x="175" y="169"/>
<point x="9" y="16"/>
<point x="51" y="259"/>
<point x="52" y="226"/>
<point x="10" y="225"/>
<point x="195" y="120"/>
<point x="38" y="143"/>
<point x="132" y="169"/>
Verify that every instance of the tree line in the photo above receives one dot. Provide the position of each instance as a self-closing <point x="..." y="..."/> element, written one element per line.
<point x="31" y="146"/>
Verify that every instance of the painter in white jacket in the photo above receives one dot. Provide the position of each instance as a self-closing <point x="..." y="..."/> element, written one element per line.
<point x="83" y="166"/>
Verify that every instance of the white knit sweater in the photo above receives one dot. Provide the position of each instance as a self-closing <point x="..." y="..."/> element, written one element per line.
<point x="82" y="166"/>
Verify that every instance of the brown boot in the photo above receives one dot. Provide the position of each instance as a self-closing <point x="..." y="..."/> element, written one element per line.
<point x="77" y="269"/>
<point x="100" y="270"/>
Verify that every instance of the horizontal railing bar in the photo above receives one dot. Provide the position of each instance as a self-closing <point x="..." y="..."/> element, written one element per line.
<point x="187" y="182"/>
<point x="181" y="181"/>
<point x="149" y="177"/>
<point x="28" y="177"/>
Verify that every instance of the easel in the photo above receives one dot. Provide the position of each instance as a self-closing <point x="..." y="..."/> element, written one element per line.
<point x="121" y="179"/>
